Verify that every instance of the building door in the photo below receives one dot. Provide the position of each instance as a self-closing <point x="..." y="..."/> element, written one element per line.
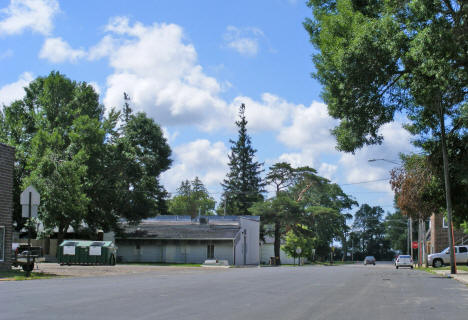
<point x="210" y="251"/>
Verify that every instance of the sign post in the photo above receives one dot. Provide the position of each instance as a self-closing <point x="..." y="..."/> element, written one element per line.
<point x="299" y="251"/>
<point x="30" y="200"/>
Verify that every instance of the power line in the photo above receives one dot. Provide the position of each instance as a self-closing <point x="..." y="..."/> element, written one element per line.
<point x="362" y="182"/>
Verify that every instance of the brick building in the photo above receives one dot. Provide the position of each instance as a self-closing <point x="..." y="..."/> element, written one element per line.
<point x="7" y="158"/>
<point x="439" y="234"/>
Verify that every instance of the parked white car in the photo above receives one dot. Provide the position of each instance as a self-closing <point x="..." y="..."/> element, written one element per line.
<point x="439" y="259"/>
<point x="404" y="261"/>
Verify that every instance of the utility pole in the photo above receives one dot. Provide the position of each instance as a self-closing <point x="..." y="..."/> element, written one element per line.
<point x="411" y="235"/>
<point x="408" y="237"/>
<point x="448" y="192"/>
<point x="419" y="243"/>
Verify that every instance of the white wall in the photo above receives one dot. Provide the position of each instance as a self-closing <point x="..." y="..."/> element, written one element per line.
<point x="172" y="251"/>
<point x="252" y="242"/>
<point x="268" y="250"/>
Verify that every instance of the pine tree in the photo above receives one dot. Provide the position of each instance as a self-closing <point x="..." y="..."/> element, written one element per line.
<point x="127" y="111"/>
<point x="243" y="185"/>
<point x="192" y="198"/>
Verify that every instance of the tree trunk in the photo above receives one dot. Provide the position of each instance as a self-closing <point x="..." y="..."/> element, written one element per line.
<point x="277" y="244"/>
<point x="345" y="247"/>
<point x="448" y="193"/>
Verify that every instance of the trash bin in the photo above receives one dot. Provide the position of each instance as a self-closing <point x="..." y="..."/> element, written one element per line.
<point x="85" y="252"/>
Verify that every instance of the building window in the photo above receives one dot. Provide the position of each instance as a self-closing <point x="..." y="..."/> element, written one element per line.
<point x="2" y="243"/>
<point x="444" y="223"/>
<point x="210" y="251"/>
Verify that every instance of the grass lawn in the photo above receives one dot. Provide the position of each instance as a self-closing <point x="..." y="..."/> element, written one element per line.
<point x="447" y="268"/>
<point x="13" y="275"/>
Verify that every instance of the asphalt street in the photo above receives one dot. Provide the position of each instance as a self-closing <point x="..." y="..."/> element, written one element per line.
<point x="317" y="292"/>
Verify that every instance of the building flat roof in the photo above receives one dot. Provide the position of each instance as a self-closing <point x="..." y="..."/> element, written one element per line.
<point x="181" y="231"/>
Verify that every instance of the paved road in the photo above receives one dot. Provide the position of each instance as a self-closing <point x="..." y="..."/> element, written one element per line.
<point x="339" y="292"/>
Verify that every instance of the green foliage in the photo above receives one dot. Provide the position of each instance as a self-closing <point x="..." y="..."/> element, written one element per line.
<point x="368" y="232"/>
<point x="243" y="185"/>
<point x="396" y="231"/>
<point x="306" y="204"/>
<point x="294" y="241"/>
<point x="192" y="197"/>
<point x="378" y="57"/>
<point x="86" y="169"/>
<point x="143" y="154"/>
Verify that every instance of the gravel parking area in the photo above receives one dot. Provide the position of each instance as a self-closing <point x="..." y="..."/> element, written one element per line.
<point x="122" y="269"/>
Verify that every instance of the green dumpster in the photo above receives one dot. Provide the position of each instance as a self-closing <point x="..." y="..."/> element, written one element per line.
<point x="87" y="252"/>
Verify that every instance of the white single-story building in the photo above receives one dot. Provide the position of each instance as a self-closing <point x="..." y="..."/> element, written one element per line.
<point x="267" y="251"/>
<point x="180" y="239"/>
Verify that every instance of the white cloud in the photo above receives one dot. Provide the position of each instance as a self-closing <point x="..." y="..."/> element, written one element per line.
<point x="95" y="86"/>
<point x="103" y="48"/>
<point x="57" y="50"/>
<point x="298" y="159"/>
<point x="243" y="40"/>
<point x="159" y="71"/>
<point x="310" y="129"/>
<point x="358" y="168"/>
<point x="170" y="137"/>
<point x="268" y="114"/>
<point x="327" y="170"/>
<point x="200" y="158"/>
<point x="15" y="90"/>
<point x="35" y="15"/>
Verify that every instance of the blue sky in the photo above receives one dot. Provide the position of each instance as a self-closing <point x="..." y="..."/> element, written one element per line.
<point x="189" y="65"/>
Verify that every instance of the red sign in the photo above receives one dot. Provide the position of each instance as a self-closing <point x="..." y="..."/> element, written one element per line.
<point x="414" y="244"/>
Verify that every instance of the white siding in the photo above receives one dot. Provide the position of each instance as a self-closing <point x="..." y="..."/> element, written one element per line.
<point x="252" y="239"/>
<point x="224" y="251"/>
<point x="172" y="251"/>
<point x="267" y="251"/>
<point x="149" y="251"/>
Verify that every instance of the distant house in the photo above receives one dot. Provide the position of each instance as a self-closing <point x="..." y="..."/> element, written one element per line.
<point x="438" y="234"/>
<point x="7" y="159"/>
<point x="180" y="239"/>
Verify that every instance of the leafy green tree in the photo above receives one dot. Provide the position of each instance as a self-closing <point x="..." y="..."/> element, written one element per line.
<point x="281" y="212"/>
<point x="315" y="191"/>
<point x="57" y="131"/>
<point x="396" y="231"/>
<point x="140" y="153"/>
<point x="307" y="204"/>
<point x="243" y="185"/>
<point x="382" y="57"/>
<point x="294" y="241"/>
<point x="281" y="176"/>
<point x="368" y="225"/>
<point x="87" y="170"/>
<point x="192" y="197"/>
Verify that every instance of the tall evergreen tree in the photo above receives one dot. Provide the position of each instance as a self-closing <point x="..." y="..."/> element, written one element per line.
<point x="243" y="185"/>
